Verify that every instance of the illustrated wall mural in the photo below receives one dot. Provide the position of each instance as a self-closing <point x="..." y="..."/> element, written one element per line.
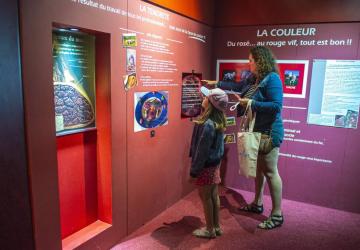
<point x="74" y="81"/>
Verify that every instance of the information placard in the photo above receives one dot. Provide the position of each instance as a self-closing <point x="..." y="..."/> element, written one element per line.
<point x="335" y="93"/>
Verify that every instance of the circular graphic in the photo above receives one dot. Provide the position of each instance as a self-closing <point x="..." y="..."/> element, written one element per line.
<point x="151" y="110"/>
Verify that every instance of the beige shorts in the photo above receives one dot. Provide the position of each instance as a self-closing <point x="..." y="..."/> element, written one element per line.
<point x="268" y="154"/>
<point x="266" y="145"/>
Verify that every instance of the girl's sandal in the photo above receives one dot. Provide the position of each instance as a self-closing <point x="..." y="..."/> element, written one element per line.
<point x="253" y="208"/>
<point x="218" y="231"/>
<point x="204" y="233"/>
<point x="272" y="222"/>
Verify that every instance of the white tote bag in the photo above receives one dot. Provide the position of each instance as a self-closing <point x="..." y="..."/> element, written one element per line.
<point x="248" y="143"/>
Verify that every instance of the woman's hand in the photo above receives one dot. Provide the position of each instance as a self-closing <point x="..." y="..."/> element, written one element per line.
<point x="209" y="82"/>
<point x="243" y="101"/>
<point x="237" y="97"/>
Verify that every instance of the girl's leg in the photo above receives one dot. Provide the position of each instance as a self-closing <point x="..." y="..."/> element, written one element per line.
<point x="216" y="204"/>
<point x="206" y="198"/>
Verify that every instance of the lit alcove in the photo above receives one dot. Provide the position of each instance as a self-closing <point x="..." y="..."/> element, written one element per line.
<point x="81" y="69"/>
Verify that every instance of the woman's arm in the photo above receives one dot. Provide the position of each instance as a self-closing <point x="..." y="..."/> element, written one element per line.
<point x="273" y="94"/>
<point x="230" y="85"/>
<point x="234" y="86"/>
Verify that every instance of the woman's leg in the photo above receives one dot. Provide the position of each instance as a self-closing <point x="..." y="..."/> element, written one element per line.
<point x="273" y="178"/>
<point x="256" y="206"/>
<point x="259" y="184"/>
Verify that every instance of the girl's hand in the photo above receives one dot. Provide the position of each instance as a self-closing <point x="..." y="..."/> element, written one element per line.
<point x="209" y="82"/>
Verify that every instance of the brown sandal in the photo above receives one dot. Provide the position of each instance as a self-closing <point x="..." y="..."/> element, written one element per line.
<point x="272" y="222"/>
<point x="253" y="208"/>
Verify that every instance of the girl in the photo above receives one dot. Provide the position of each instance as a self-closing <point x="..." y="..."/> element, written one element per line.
<point x="207" y="149"/>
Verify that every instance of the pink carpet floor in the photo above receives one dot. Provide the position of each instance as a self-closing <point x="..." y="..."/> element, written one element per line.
<point x="306" y="227"/>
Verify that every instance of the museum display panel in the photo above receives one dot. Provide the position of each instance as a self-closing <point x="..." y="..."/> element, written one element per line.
<point x="319" y="68"/>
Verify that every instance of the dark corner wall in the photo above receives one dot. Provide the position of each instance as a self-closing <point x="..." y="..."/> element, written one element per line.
<point x="15" y="210"/>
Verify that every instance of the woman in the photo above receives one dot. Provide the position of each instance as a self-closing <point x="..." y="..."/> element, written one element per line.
<point x="267" y="103"/>
<point x="207" y="149"/>
<point x="267" y="98"/>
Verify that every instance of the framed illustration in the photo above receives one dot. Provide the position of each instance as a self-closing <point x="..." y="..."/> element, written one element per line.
<point x="129" y="40"/>
<point x="130" y="81"/>
<point x="293" y="74"/>
<point x="130" y="60"/>
<point x="74" y="81"/>
<point x="230" y="121"/>
<point x="231" y="70"/>
<point x="229" y="138"/>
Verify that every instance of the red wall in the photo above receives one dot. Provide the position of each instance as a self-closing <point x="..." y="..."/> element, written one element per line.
<point x="37" y="20"/>
<point x="249" y="12"/>
<point x="77" y="181"/>
<point x="158" y="166"/>
<point x="103" y="126"/>
<point x="147" y="174"/>
<point x="200" y="10"/>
